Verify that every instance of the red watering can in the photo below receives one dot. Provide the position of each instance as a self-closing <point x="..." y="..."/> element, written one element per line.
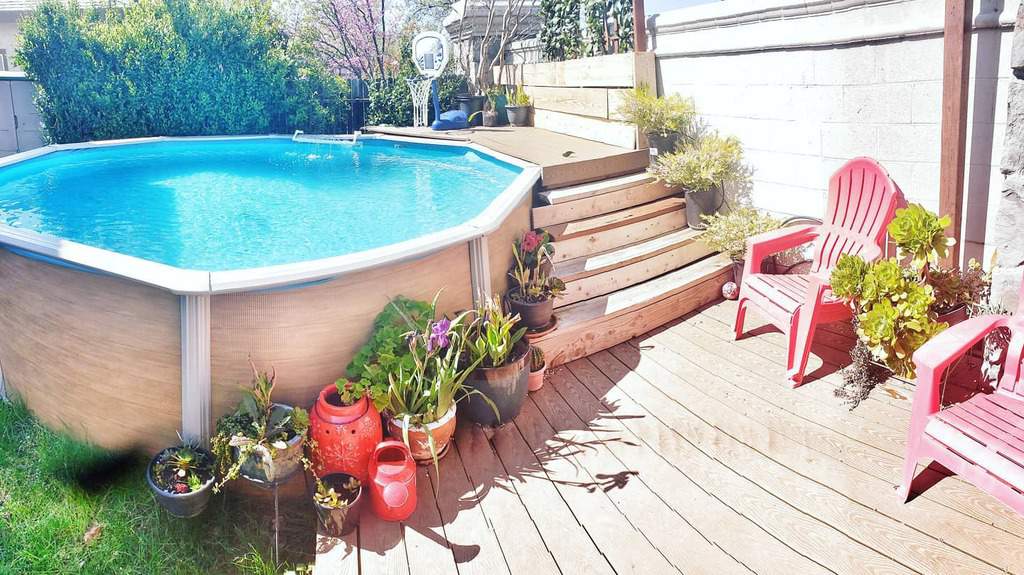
<point x="393" y="481"/>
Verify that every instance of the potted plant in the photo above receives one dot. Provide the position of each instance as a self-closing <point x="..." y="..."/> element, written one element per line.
<point x="181" y="478"/>
<point x="261" y="440"/>
<point x="663" y="120"/>
<point x="537" y="368"/>
<point x="339" y="501"/>
<point x="471" y="105"/>
<point x="894" y="300"/>
<point x="956" y="289"/>
<point x="534" y="289"/>
<point x="701" y="168"/>
<point x="519" y="107"/>
<point x="498" y="351"/>
<point x="728" y="233"/>
<point x="423" y="392"/>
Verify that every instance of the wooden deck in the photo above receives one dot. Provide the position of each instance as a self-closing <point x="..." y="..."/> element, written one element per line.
<point x="685" y="452"/>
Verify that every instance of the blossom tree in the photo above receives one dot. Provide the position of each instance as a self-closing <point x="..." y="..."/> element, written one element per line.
<point x="354" y="37"/>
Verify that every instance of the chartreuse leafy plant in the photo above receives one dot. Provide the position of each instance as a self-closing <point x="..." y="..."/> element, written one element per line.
<point x="728" y="232"/>
<point x="920" y="236"/>
<point x="701" y="166"/>
<point x="672" y="114"/>
<point x="492" y="336"/>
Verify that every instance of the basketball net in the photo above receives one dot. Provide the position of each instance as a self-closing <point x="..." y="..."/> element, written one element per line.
<point x="419" y="88"/>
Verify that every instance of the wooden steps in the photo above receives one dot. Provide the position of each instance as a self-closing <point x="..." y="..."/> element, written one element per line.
<point x="591" y="276"/>
<point x="592" y="200"/>
<point x="596" y="324"/>
<point x="608" y="221"/>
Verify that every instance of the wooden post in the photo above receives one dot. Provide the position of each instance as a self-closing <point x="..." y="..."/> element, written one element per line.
<point x="956" y="54"/>
<point x="639" y="26"/>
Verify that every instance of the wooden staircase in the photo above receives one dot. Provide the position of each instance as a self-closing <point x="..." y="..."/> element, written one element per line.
<point x="629" y="262"/>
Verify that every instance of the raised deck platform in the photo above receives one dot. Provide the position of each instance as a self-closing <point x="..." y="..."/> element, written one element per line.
<point x="682" y="451"/>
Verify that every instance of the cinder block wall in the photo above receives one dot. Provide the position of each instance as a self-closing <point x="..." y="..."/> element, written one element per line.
<point x="809" y="85"/>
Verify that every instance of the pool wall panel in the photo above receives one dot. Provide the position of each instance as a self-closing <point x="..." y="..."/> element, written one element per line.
<point x="499" y="244"/>
<point x="93" y="354"/>
<point x="309" y="334"/>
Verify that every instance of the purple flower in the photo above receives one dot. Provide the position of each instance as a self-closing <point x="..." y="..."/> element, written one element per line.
<point x="438" y="334"/>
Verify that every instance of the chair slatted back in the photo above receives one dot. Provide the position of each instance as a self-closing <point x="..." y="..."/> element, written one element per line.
<point x="861" y="202"/>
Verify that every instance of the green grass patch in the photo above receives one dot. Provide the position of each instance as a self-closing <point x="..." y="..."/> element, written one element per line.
<point x="55" y="490"/>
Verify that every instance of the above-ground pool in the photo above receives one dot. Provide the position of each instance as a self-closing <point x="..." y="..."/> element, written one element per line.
<point x="138" y="276"/>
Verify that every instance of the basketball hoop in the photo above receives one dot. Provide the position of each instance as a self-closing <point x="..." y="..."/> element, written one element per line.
<point x="419" y="89"/>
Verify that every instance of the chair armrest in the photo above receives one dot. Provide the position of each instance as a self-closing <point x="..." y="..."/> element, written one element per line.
<point x="775" y="241"/>
<point x="932" y="359"/>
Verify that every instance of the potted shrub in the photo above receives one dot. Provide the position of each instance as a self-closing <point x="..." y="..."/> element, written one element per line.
<point x="424" y="390"/>
<point x="181" y="478"/>
<point x="534" y="289"/>
<point x="498" y="351"/>
<point x="261" y="440"/>
<point x="701" y="168"/>
<point x="471" y="105"/>
<point x="728" y="233"/>
<point x="519" y="107"/>
<point x="537" y="368"/>
<point x="894" y="300"/>
<point x="956" y="289"/>
<point x="339" y="500"/>
<point x="663" y="120"/>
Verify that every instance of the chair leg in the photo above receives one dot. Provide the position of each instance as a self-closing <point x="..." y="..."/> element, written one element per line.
<point x="741" y="313"/>
<point x="909" y="471"/>
<point x="801" y="334"/>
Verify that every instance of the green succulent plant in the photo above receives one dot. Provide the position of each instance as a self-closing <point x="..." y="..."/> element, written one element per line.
<point x="920" y="236"/>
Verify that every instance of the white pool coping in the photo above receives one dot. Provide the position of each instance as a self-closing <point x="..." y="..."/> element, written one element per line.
<point x="183" y="281"/>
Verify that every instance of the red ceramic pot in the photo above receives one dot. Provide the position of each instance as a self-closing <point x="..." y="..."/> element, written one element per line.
<point x="345" y="435"/>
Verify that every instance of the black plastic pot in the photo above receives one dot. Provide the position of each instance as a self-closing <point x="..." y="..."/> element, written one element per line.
<point x="533" y="315"/>
<point x="519" y="116"/>
<point x="505" y="386"/>
<point x="663" y="144"/>
<point x="183" y="505"/>
<point x="703" y="203"/>
<point x="471" y="104"/>
<point x="339" y="522"/>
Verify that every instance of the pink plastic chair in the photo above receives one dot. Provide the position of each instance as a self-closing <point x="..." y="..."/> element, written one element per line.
<point x="861" y="201"/>
<point x="981" y="438"/>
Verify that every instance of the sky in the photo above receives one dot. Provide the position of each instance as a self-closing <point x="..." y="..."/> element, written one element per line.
<point x="659" y="6"/>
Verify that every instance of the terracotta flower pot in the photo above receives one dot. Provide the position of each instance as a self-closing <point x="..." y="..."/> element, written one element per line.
<point x="270" y="466"/>
<point x="533" y="315"/>
<point x="345" y="435"/>
<point x="535" y="381"/>
<point x="441" y="430"/>
<point x="339" y="522"/>
<point x="505" y="386"/>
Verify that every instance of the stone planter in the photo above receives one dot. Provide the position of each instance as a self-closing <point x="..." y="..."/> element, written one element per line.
<point x="519" y="116"/>
<point x="268" y="466"/>
<point x="505" y="386"/>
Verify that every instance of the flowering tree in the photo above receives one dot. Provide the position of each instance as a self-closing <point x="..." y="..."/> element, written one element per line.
<point x="353" y="37"/>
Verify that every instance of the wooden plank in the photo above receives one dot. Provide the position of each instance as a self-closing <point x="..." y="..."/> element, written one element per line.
<point x="605" y="203"/>
<point x="381" y="548"/>
<point x="571" y="270"/>
<point x="573" y="193"/>
<point x="425" y="543"/>
<point x="956" y="56"/>
<point x="631" y="274"/>
<point x="595" y="224"/>
<point x="584" y="387"/>
<point x="592" y="170"/>
<point x="511" y="522"/>
<point x="608" y="71"/>
<point x="592" y="102"/>
<point x="564" y="536"/>
<point x="337" y="556"/>
<point x="675" y="538"/>
<point x="473" y="542"/>
<point x="597" y="324"/>
<point x="686" y="386"/>
<point x="816" y="451"/>
<point x="618" y="237"/>
<point x="626" y="548"/>
<point x="607" y="131"/>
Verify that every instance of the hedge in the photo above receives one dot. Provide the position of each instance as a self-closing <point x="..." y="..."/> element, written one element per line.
<point x="174" y="67"/>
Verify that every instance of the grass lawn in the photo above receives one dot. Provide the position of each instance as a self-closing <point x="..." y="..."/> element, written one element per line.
<point x="67" y="507"/>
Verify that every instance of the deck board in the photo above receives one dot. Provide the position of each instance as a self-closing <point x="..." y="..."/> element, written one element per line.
<point x="684" y="451"/>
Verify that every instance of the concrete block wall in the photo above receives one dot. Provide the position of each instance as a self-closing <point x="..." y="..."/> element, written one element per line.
<point x="808" y="85"/>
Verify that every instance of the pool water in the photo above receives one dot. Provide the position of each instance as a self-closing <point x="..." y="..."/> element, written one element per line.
<point x="220" y="205"/>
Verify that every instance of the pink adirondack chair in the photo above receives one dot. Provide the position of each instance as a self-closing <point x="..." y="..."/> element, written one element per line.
<point x="862" y="199"/>
<point x="981" y="438"/>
